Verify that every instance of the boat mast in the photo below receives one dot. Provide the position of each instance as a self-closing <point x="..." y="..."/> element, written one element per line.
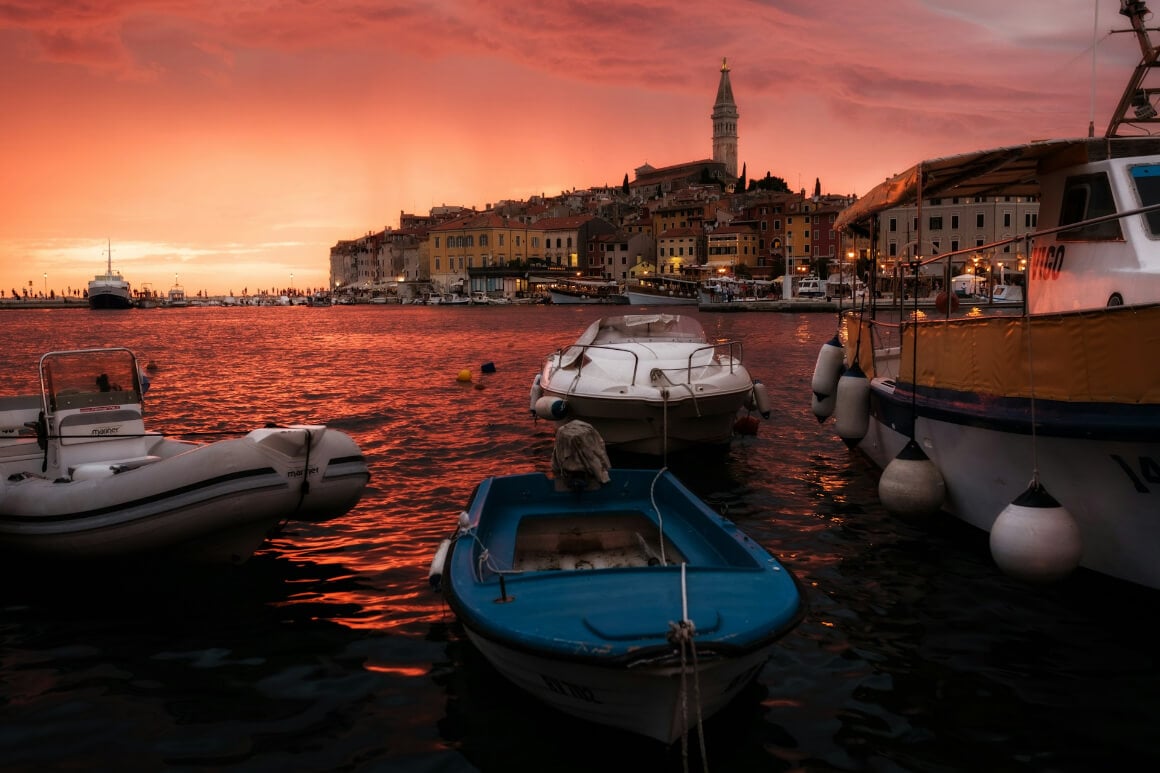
<point x="1136" y="96"/>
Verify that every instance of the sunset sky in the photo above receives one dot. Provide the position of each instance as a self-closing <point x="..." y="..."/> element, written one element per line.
<point x="228" y="144"/>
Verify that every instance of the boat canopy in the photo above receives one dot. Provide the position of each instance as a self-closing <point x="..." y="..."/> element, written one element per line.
<point x="1006" y="171"/>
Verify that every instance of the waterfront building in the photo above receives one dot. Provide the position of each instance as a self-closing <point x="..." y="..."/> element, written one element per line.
<point x="961" y="223"/>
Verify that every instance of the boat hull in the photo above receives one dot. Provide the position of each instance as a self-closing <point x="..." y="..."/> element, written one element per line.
<point x="214" y="503"/>
<point x="1095" y="413"/>
<point x="109" y="299"/>
<point x="652" y="425"/>
<point x="82" y="478"/>
<point x="576" y="598"/>
<point x="561" y="298"/>
<point x="1110" y="485"/>
<point x="649" y="383"/>
<point x="646" y="701"/>
<point x="637" y="298"/>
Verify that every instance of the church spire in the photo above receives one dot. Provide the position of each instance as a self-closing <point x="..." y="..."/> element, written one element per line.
<point x="725" y="123"/>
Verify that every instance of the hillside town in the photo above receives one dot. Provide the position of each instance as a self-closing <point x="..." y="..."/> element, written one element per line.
<point x="692" y="221"/>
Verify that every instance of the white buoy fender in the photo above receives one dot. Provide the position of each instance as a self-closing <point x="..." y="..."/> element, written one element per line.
<point x="823" y="407"/>
<point x="1035" y="539"/>
<point x="537" y="393"/>
<point x="761" y="399"/>
<point x="551" y="408"/>
<point x="435" y="575"/>
<point x="852" y="407"/>
<point x="911" y="484"/>
<point x="828" y="368"/>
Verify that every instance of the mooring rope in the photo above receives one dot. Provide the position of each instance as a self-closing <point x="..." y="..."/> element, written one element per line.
<point x="681" y="633"/>
<point x="660" y="519"/>
<point x="304" y="489"/>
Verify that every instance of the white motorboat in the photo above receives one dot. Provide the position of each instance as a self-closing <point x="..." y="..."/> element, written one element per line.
<point x="1041" y="423"/>
<point x="110" y="290"/>
<point x="649" y="383"/>
<point x="81" y="477"/>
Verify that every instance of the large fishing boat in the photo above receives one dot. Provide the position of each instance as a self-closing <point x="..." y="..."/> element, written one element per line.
<point x="662" y="290"/>
<point x="586" y="291"/>
<point x="1038" y="423"/>
<point x="110" y="290"/>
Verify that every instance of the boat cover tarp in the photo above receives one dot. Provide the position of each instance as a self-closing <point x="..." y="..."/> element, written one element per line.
<point x="1077" y="357"/>
<point x="579" y="453"/>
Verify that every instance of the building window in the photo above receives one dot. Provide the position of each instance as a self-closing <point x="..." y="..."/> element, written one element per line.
<point x="980" y="220"/>
<point x="954" y="222"/>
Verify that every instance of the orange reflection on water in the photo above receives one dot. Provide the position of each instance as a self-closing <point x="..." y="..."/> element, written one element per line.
<point x="397" y="670"/>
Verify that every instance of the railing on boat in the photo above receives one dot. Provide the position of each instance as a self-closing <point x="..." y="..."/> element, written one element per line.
<point x="724" y="353"/>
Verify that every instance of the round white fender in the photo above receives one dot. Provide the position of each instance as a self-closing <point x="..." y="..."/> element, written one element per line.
<point x="911" y="484"/>
<point x="1035" y="539"/>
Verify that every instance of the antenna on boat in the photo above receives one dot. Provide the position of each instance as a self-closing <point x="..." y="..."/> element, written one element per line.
<point x="1136" y="96"/>
<point x="1092" y="88"/>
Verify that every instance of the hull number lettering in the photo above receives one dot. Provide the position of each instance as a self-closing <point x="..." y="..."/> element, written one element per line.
<point x="1047" y="262"/>
<point x="578" y="691"/>
<point x="1146" y="471"/>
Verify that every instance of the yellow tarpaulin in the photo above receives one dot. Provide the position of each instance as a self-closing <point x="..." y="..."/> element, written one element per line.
<point x="1101" y="356"/>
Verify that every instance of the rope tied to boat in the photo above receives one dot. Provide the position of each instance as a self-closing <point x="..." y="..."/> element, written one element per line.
<point x="681" y="634"/>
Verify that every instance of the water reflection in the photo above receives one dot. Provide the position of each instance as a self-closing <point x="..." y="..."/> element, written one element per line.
<point x="329" y="651"/>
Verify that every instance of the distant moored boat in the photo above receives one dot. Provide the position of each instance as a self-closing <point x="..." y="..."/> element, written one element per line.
<point x="109" y="290"/>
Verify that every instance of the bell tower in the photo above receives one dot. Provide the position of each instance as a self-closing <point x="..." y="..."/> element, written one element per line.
<point x="725" y="124"/>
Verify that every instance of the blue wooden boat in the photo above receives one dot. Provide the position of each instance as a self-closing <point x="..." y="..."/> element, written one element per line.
<point x="572" y="593"/>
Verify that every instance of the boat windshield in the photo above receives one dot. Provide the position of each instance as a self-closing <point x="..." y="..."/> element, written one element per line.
<point x="89" y="378"/>
<point x="1146" y="177"/>
<point x="635" y="327"/>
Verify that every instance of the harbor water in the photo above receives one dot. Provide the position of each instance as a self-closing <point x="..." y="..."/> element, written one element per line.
<point x="329" y="650"/>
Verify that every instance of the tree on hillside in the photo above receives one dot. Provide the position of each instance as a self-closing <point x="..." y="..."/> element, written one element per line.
<point x="624" y="186"/>
<point x="771" y="183"/>
<point x="817" y="187"/>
